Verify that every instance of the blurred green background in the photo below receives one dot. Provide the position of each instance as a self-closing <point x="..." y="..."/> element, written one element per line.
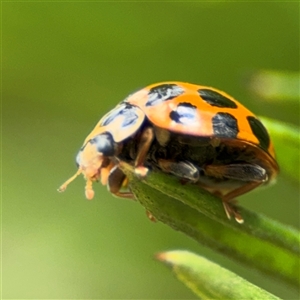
<point x="64" y="65"/>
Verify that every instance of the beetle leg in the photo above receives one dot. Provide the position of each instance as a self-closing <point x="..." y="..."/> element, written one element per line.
<point x="105" y="171"/>
<point x="231" y="210"/>
<point x="117" y="180"/>
<point x="228" y="199"/>
<point x="143" y="148"/>
<point x="252" y="175"/>
<point x="181" y="169"/>
<point x="241" y="172"/>
<point x="229" y="202"/>
<point x="241" y="190"/>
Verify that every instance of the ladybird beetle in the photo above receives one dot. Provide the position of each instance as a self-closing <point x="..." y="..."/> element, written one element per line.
<point x="197" y="133"/>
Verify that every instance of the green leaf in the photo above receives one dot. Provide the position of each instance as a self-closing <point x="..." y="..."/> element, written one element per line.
<point x="276" y="85"/>
<point x="260" y="242"/>
<point x="286" y="140"/>
<point x="208" y="280"/>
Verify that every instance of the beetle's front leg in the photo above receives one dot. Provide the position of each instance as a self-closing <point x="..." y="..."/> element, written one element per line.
<point x="116" y="181"/>
<point x="145" y="142"/>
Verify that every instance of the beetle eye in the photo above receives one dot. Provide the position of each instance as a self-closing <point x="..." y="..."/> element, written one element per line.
<point x="104" y="144"/>
<point x="78" y="160"/>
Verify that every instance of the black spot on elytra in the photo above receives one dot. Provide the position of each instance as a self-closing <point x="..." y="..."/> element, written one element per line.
<point x="225" y="125"/>
<point x="216" y="99"/>
<point x="163" y="92"/>
<point x="127" y="111"/>
<point x="185" y="113"/>
<point x="260" y="132"/>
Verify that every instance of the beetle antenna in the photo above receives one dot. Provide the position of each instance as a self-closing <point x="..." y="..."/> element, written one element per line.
<point x="63" y="187"/>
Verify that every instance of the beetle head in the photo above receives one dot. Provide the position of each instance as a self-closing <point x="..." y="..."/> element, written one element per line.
<point x="93" y="161"/>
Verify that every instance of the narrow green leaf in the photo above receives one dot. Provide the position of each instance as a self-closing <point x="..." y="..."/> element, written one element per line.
<point x="208" y="280"/>
<point x="286" y="139"/>
<point x="276" y="85"/>
<point x="260" y="243"/>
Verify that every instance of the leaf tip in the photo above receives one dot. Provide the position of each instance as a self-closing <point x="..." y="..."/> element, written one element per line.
<point x="171" y="257"/>
<point x="161" y="256"/>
